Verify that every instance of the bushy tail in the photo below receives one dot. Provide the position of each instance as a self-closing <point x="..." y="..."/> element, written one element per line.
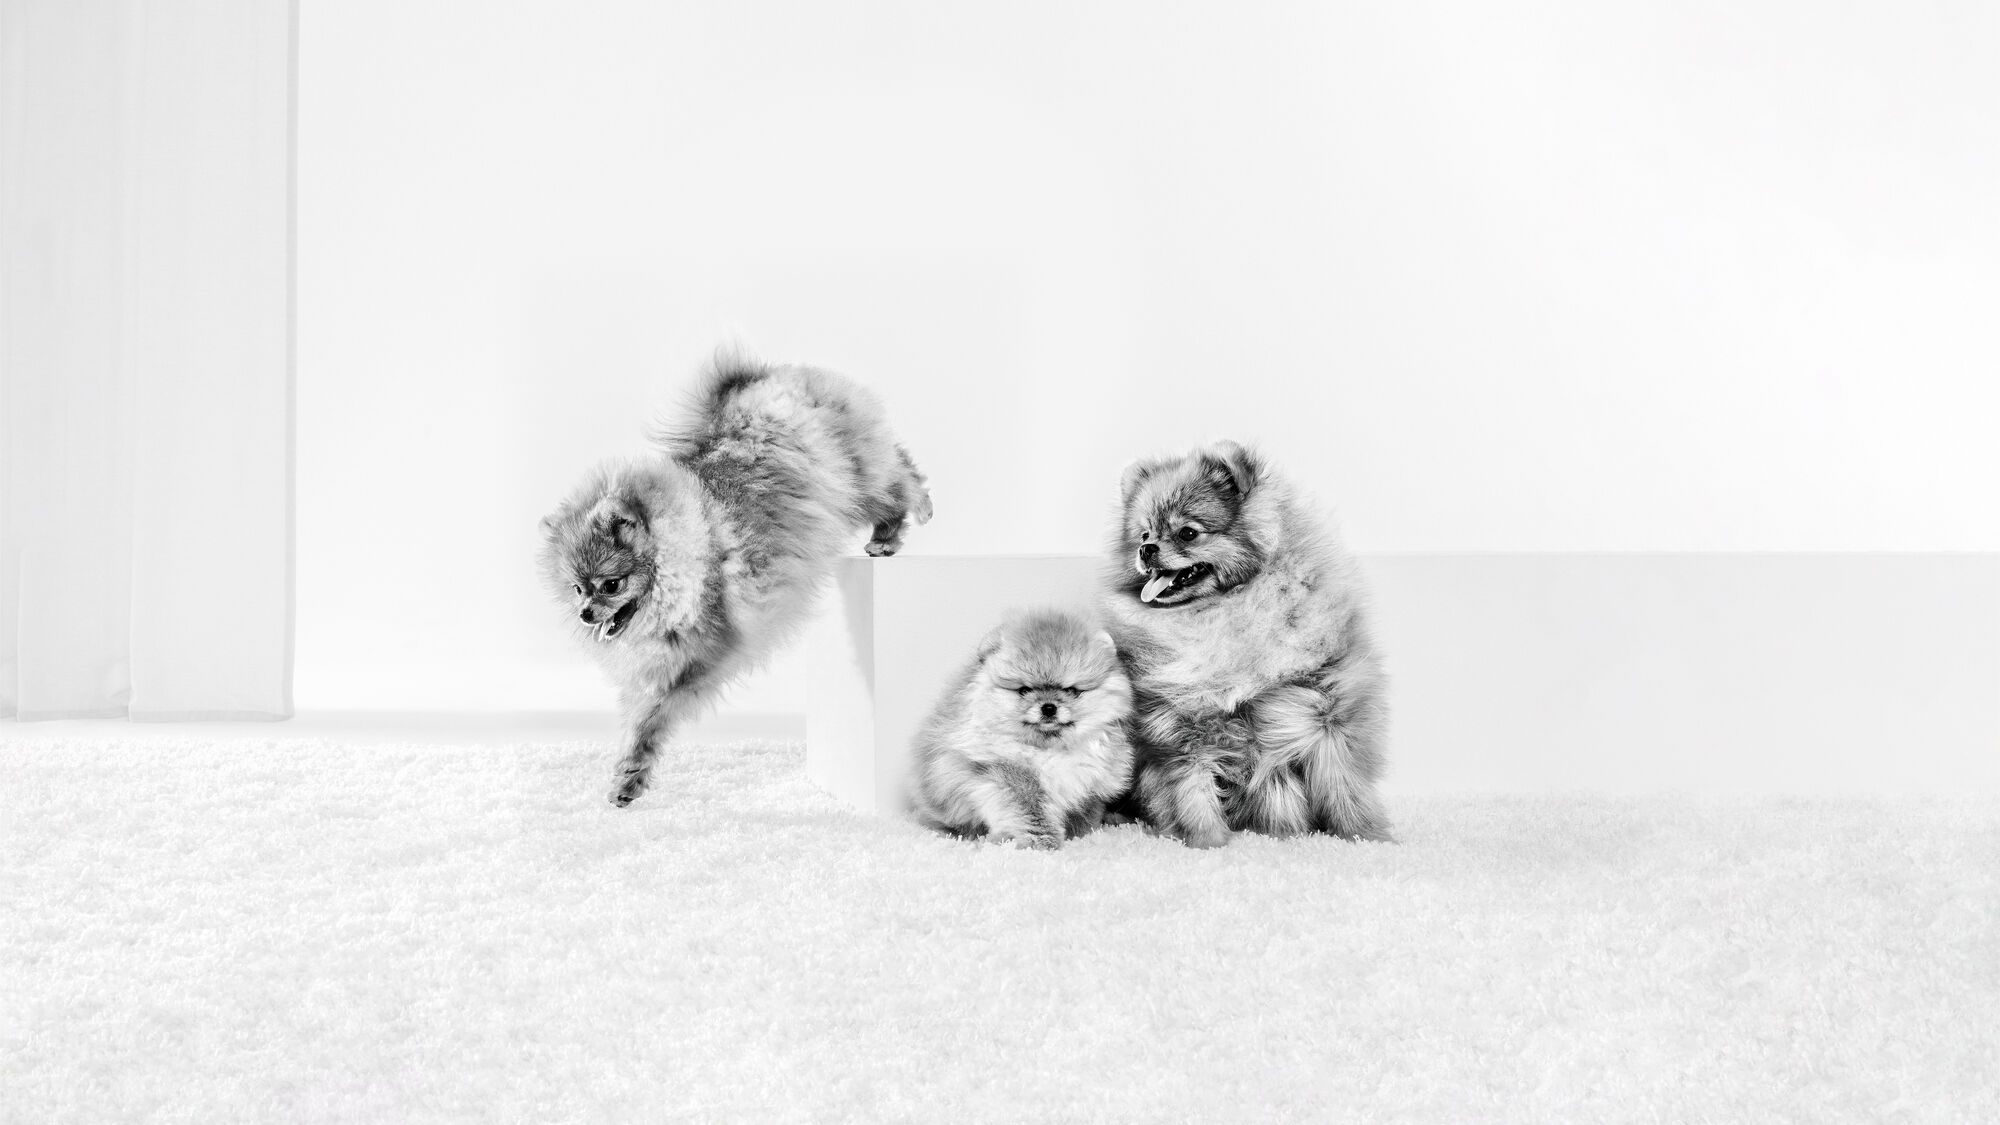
<point x="729" y="371"/>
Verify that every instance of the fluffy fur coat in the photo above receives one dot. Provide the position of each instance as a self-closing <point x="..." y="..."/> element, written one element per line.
<point x="687" y="568"/>
<point x="1029" y="742"/>
<point x="1259" y="690"/>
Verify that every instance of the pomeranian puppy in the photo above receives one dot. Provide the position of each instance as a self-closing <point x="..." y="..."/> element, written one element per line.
<point x="686" y="568"/>
<point x="1259" y="692"/>
<point x="1029" y="743"/>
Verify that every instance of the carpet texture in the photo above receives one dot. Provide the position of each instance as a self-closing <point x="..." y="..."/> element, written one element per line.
<point x="310" y="931"/>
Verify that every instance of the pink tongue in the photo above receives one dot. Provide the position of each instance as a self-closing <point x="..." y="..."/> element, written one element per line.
<point x="1159" y="581"/>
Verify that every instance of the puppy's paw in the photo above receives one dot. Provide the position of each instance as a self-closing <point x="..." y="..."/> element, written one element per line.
<point x="1032" y="841"/>
<point x="628" y="789"/>
<point x="1210" y="839"/>
<point x="878" y="549"/>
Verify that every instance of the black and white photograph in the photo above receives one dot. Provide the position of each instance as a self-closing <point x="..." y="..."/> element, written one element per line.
<point x="761" y="561"/>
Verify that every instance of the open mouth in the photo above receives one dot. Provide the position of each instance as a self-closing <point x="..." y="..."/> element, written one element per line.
<point x="1050" y="726"/>
<point x="1168" y="583"/>
<point x="617" y="621"/>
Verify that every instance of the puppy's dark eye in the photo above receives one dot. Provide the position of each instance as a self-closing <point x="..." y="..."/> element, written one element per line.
<point x="608" y="586"/>
<point x="1023" y="690"/>
<point x="578" y="587"/>
<point x="1186" y="534"/>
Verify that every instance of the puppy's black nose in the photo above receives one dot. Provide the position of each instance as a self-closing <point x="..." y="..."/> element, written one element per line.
<point x="1148" y="552"/>
<point x="1048" y="710"/>
<point x="588" y="614"/>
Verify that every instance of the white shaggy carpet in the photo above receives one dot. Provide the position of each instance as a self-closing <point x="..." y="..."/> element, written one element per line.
<point x="308" y="931"/>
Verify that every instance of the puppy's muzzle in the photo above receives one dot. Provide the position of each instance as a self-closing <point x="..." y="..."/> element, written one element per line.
<point x="607" y="621"/>
<point x="1166" y="584"/>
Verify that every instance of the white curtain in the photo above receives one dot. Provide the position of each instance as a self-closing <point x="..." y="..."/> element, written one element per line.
<point x="145" y="358"/>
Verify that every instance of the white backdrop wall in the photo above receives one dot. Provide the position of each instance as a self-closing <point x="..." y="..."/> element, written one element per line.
<point x="1488" y="278"/>
<point x="145" y="359"/>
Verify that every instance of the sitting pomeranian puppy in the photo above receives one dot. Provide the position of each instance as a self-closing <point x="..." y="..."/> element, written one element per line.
<point x="1259" y="692"/>
<point x="1029" y="743"/>
<point x="687" y="568"/>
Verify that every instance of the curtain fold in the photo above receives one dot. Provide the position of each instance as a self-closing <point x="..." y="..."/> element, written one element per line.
<point x="145" y="358"/>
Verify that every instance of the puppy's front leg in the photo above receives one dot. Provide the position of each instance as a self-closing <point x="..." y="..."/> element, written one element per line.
<point x="1084" y="821"/>
<point x="646" y="722"/>
<point x="650" y="717"/>
<point x="1014" y="807"/>
<point x="1181" y="799"/>
<point x="1188" y="757"/>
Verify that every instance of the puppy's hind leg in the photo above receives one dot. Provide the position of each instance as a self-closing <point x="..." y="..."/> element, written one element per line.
<point x="916" y="493"/>
<point x="887" y="537"/>
<point x="906" y="499"/>
<point x="1332" y="743"/>
<point x="1275" y="802"/>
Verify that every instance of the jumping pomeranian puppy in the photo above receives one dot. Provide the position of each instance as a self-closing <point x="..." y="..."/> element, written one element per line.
<point x="1029" y="743"/>
<point x="1259" y="692"/>
<point x="686" y="568"/>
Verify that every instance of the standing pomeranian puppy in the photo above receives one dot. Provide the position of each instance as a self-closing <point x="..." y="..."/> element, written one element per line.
<point x="687" y="568"/>
<point x="1258" y="689"/>
<point x="1029" y="744"/>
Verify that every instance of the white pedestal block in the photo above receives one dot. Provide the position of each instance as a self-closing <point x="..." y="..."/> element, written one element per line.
<point x="1799" y="673"/>
<point x="890" y="635"/>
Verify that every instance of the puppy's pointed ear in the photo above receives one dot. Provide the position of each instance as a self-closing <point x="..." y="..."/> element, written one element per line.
<point x="990" y="643"/>
<point x="620" y="515"/>
<point x="1135" y="473"/>
<point x="1230" y="462"/>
